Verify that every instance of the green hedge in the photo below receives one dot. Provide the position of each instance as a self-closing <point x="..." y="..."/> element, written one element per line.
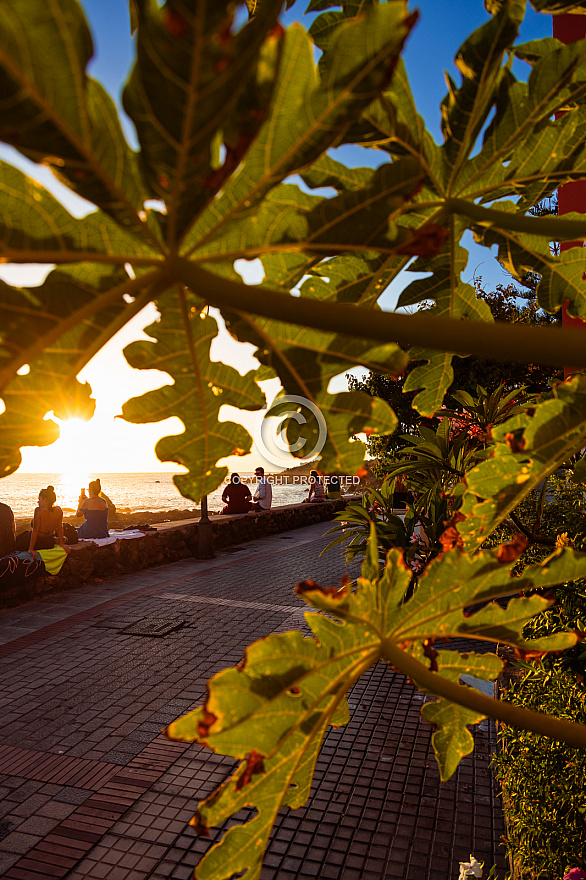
<point x="544" y="782"/>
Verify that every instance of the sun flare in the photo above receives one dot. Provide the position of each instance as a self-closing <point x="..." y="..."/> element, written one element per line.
<point x="73" y="452"/>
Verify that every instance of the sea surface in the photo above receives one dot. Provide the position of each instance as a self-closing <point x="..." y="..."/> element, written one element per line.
<point x="131" y="493"/>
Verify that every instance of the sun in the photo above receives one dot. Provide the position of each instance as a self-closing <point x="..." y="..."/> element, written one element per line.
<point x="72" y="458"/>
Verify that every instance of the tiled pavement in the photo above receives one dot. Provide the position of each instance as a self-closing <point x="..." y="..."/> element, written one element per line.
<point x="90" y="789"/>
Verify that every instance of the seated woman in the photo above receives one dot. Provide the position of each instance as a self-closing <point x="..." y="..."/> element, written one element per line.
<point x="47" y="522"/>
<point x="95" y="510"/>
<point x="317" y="490"/>
<point x="237" y="495"/>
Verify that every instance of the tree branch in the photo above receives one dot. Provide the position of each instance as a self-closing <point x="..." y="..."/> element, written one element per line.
<point x="515" y="716"/>
<point x="498" y="341"/>
<point x="533" y="538"/>
<point x="553" y="228"/>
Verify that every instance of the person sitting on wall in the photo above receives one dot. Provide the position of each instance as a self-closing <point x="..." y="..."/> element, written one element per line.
<point x="95" y="511"/>
<point x="237" y="495"/>
<point x="263" y="497"/>
<point x="317" y="490"/>
<point x="7" y="530"/>
<point x="47" y="522"/>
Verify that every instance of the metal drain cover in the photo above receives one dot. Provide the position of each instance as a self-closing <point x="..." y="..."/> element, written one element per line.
<point x="156" y="627"/>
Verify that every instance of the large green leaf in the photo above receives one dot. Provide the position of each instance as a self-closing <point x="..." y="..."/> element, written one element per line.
<point x="200" y="97"/>
<point x="562" y="277"/>
<point x="271" y="711"/>
<point x="309" y="114"/>
<point x="526" y="450"/>
<point x="35" y="227"/>
<point x="525" y="152"/>
<point x="183" y="337"/>
<point x="53" y="113"/>
<point x="225" y="116"/>
<point x="198" y="87"/>
<point x="479" y="60"/>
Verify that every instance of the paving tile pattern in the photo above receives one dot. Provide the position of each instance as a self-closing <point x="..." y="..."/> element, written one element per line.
<point x="90" y="789"/>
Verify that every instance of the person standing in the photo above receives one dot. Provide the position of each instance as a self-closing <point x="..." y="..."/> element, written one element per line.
<point x="263" y="497"/>
<point x="7" y="530"/>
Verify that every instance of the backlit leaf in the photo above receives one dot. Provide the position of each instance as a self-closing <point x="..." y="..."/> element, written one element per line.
<point x="201" y="386"/>
<point x="527" y="449"/>
<point x="289" y="688"/>
<point x="54" y="114"/>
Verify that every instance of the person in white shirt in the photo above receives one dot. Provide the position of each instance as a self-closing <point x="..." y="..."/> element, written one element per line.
<point x="263" y="497"/>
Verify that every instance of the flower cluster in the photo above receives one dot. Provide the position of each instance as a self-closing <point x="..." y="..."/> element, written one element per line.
<point x="458" y="426"/>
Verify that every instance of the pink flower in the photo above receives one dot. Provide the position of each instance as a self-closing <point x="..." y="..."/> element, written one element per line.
<point x="575" y="874"/>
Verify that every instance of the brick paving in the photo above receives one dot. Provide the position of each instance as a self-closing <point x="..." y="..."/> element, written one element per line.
<point x="90" y="789"/>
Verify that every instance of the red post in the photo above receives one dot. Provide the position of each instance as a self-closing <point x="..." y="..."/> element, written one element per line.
<point x="571" y="196"/>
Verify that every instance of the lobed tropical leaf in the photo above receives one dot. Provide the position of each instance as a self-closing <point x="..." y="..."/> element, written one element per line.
<point x="452" y="740"/>
<point x="35" y="227"/>
<point x="527" y="449"/>
<point x="536" y="152"/>
<point x="198" y="88"/>
<point x="200" y="388"/>
<point x="289" y="688"/>
<point x="562" y="277"/>
<point x="479" y="60"/>
<point x="54" y="114"/>
<point x="309" y="114"/>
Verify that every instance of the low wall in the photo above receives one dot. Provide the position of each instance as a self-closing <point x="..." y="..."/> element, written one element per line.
<point x="88" y="563"/>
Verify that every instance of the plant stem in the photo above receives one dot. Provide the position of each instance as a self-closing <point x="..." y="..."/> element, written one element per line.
<point x="535" y="539"/>
<point x="498" y="341"/>
<point x="515" y="716"/>
<point x="553" y="228"/>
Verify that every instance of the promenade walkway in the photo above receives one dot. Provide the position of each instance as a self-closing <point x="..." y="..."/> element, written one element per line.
<point x="90" y="789"/>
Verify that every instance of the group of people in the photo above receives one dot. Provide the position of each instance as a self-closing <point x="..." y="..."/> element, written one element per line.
<point x="237" y="496"/>
<point x="47" y="523"/>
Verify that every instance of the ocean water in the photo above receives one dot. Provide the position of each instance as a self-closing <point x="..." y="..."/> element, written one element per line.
<point x="131" y="493"/>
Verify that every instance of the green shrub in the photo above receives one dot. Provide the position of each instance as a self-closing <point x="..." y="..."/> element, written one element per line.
<point x="543" y="780"/>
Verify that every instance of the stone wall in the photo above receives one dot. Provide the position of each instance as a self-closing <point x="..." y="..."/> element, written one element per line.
<point x="88" y="563"/>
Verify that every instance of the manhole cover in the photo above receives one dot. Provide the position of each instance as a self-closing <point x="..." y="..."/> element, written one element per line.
<point x="232" y="549"/>
<point x="153" y="626"/>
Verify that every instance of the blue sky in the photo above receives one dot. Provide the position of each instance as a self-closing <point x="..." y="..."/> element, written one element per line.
<point x="443" y="25"/>
<point x="116" y="445"/>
